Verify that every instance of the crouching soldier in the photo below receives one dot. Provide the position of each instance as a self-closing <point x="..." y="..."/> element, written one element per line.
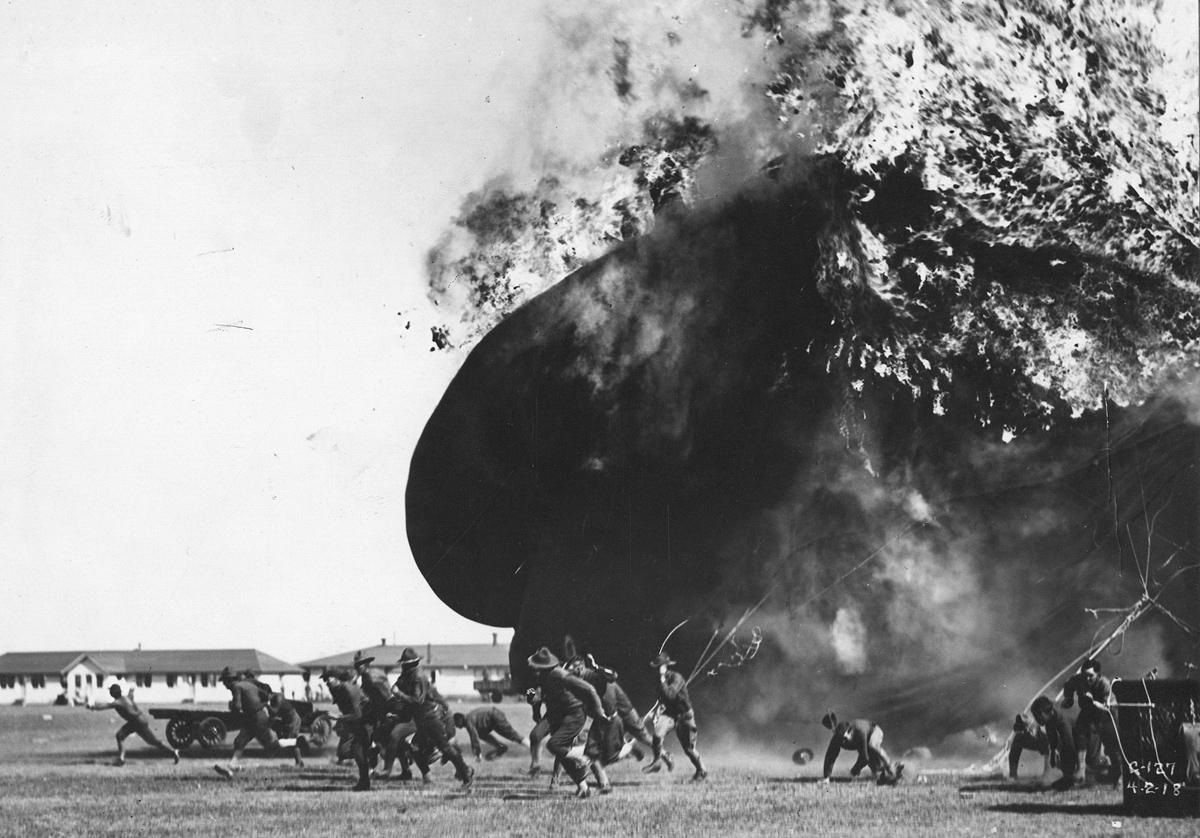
<point x="866" y="738"/>
<point x="1028" y="735"/>
<point x="284" y="716"/>
<point x="568" y="700"/>
<point x="1094" y="730"/>
<point x="417" y="696"/>
<point x="486" y="724"/>
<point x="1059" y="739"/>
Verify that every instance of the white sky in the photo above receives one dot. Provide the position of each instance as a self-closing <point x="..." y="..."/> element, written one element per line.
<point x="284" y="167"/>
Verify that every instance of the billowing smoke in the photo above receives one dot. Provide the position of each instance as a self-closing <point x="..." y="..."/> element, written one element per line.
<point x="874" y="342"/>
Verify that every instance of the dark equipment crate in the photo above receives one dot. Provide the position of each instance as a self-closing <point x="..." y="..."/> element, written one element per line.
<point x="1151" y="716"/>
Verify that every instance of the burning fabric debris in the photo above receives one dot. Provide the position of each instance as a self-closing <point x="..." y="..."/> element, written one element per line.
<point x="919" y="390"/>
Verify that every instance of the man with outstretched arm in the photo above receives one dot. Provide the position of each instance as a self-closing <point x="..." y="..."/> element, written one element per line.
<point x="136" y="721"/>
<point x="569" y="700"/>
<point x="866" y="738"/>
<point x="676" y="706"/>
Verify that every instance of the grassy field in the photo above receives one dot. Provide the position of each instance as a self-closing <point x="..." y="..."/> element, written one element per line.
<point x="56" y="779"/>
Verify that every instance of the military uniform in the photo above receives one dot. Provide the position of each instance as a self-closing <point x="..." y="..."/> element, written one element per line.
<point x="486" y="724"/>
<point x="250" y="703"/>
<point x="351" y="703"/>
<point x="866" y="739"/>
<point x="1094" y="726"/>
<point x="136" y="721"/>
<point x="429" y="713"/>
<point x="1028" y="735"/>
<point x="677" y="705"/>
<point x="568" y="700"/>
<point x="1060" y="740"/>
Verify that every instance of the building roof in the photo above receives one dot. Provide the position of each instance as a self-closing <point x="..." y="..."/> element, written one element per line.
<point x="147" y="660"/>
<point x="440" y="656"/>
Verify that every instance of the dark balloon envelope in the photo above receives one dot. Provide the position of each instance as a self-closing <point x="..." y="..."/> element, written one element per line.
<point x="659" y="437"/>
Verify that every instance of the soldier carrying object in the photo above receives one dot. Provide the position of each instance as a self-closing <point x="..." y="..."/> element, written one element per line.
<point x="350" y="700"/>
<point x="429" y="713"/>
<point x="485" y="724"/>
<point x="136" y="721"/>
<point x="866" y="738"/>
<point x="631" y="721"/>
<point x="1094" y="726"/>
<point x="1060" y="740"/>
<point x="1028" y="735"/>
<point x="676" y="706"/>
<point x="569" y="700"/>
<point x="249" y="701"/>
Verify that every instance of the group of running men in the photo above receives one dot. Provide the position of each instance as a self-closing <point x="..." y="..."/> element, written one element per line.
<point x="410" y="722"/>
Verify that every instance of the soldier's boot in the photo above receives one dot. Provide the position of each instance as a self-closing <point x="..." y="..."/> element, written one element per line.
<point x="602" y="783"/>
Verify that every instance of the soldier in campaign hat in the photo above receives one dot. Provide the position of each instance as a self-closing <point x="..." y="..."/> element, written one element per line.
<point x="417" y="695"/>
<point x="568" y="700"/>
<point x="250" y="700"/>
<point x="676" y="706"/>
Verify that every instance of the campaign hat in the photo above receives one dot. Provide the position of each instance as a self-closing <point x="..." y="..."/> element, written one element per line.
<point x="543" y="658"/>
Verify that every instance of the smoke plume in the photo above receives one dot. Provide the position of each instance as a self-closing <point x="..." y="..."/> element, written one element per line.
<point x="879" y="335"/>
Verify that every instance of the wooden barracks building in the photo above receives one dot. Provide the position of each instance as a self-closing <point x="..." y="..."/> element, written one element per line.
<point x="459" y="670"/>
<point x="169" y="676"/>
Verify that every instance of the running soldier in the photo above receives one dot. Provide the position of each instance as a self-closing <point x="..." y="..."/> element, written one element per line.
<point x="349" y="700"/>
<point x="485" y="724"/>
<point x="632" y="724"/>
<point x="394" y="735"/>
<point x="866" y="738"/>
<point x="249" y="701"/>
<point x="569" y="700"/>
<point x="136" y="721"/>
<point x="676" y="709"/>
<point x="605" y="738"/>
<point x="429" y="713"/>
<point x="1060" y="740"/>
<point x="1094" y="726"/>
<point x="377" y="695"/>
<point x="284" y="715"/>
